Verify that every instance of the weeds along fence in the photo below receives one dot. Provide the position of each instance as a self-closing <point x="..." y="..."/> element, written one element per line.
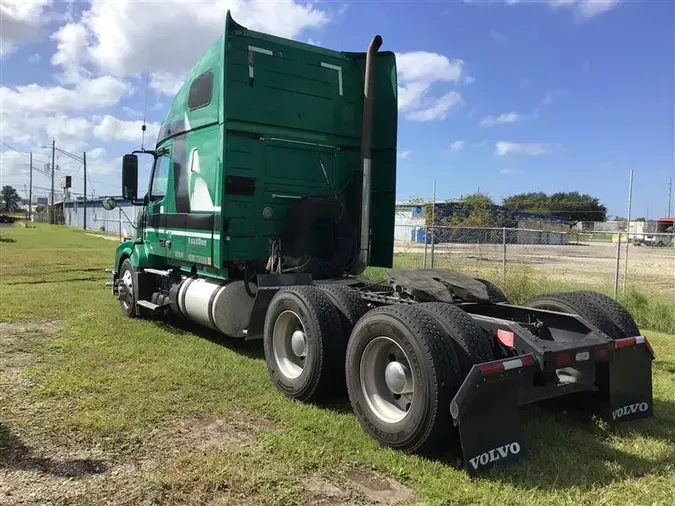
<point x="531" y="260"/>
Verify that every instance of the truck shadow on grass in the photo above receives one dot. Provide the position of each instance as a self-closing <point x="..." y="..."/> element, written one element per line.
<point x="180" y="326"/>
<point x="570" y="449"/>
<point x="16" y="455"/>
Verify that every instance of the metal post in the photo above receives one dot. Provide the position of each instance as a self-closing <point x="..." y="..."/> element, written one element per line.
<point x="426" y="241"/>
<point x="52" y="217"/>
<point x="616" y="269"/>
<point x="670" y="198"/>
<point x="84" y="162"/>
<point x="30" y="189"/>
<point x="433" y="224"/>
<point x="630" y="203"/>
<point x="504" y="257"/>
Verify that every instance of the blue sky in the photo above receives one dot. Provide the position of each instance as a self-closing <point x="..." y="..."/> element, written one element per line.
<point x="498" y="96"/>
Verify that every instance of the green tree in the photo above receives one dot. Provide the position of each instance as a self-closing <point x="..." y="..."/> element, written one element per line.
<point x="573" y="206"/>
<point x="10" y="199"/>
<point x="474" y="210"/>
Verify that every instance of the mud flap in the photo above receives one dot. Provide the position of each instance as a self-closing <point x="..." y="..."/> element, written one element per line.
<point x="485" y="410"/>
<point x="628" y="383"/>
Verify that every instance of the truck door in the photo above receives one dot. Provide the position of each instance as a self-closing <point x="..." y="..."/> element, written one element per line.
<point x="156" y="235"/>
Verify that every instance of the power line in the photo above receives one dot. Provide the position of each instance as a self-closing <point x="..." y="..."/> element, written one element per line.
<point x="20" y="152"/>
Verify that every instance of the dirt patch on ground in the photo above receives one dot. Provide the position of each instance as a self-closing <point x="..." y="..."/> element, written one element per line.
<point x="362" y="487"/>
<point x="40" y="465"/>
<point x="45" y="329"/>
<point x="16" y="348"/>
<point x="379" y="488"/>
<point x="207" y="432"/>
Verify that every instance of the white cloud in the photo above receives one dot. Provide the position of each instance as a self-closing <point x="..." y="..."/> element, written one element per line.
<point x="12" y="164"/>
<point x="166" y="83"/>
<point x="498" y="37"/>
<point x="101" y="92"/>
<point x="490" y="121"/>
<point x="110" y="128"/>
<point x="510" y="171"/>
<point x="418" y="72"/>
<point x="404" y="154"/>
<point x="71" y="50"/>
<point x="457" y="145"/>
<point x="503" y="148"/>
<point x="561" y="3"/>
<point x="96" y="153"/>
<point x="587" y="9"/>
<point x="584" y="9"/>
<point x="21" y="22"/>
<point x="34" y="58"/>
<point x="422" y="66"/>
<point x="437" y="109"/>
<point x="127" y="37"/>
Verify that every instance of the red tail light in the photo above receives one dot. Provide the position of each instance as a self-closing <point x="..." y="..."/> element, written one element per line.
<point x="563" y="359"/>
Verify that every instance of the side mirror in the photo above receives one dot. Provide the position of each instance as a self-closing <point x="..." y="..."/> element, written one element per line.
<point x="130" y="177"/>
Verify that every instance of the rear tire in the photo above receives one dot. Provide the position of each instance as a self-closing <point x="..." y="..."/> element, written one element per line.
<point x="471" y="343"/>
<point x="494" y="292"/>
<point x="308" y="364"/>
<point x="349" y="304"/>
<point x="402" y="349"/>
<point x="615" y="312"/>
<point x="575" y="303"/>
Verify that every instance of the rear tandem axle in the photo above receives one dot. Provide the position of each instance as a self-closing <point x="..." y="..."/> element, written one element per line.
<point x="427" y="369"/>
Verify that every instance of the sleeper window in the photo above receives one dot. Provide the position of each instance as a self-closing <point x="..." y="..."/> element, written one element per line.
<point x="201" y="90"/>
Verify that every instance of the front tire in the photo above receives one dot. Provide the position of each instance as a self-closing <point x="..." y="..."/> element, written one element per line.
<point x="303" y="343"/>
<point x="402" y="372"/>
<point x="126" y="280"/>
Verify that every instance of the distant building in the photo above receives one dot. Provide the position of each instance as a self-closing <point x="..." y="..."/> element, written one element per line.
<point x="536" y="228"/>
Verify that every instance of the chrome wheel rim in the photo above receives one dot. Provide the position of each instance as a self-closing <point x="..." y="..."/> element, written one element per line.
<point x="127" y="281"/>
<point x="289" y="344"/>
<point x="387" y="380"/>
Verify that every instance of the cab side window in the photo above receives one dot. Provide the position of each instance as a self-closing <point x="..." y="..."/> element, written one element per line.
<point x="201" y="91"/>
<point x="160" y="177"/>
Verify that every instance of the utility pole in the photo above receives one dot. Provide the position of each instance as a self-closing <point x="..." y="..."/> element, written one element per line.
<point x="670" y="198"/>
<point x="30" y="189"/>
<point x="52" y="217"/>
<point x="630" y="203"/>
<point x="84" y="162"/>
<point x="433" y="225"/>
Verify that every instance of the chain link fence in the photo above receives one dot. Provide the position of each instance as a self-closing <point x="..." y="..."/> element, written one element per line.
<point x="530" y="260"/>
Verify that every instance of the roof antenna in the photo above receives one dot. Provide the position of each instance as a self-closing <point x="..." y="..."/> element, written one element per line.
<point x="145" y="109"/>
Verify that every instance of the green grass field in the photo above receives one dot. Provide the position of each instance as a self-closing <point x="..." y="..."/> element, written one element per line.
<point x="101" y="409"/>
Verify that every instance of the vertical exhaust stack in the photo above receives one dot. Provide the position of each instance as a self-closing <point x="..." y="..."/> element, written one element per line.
<point x="365" y="173"/>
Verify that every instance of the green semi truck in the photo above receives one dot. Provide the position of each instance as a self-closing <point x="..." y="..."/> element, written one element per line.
<point x="272" y="188"/>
